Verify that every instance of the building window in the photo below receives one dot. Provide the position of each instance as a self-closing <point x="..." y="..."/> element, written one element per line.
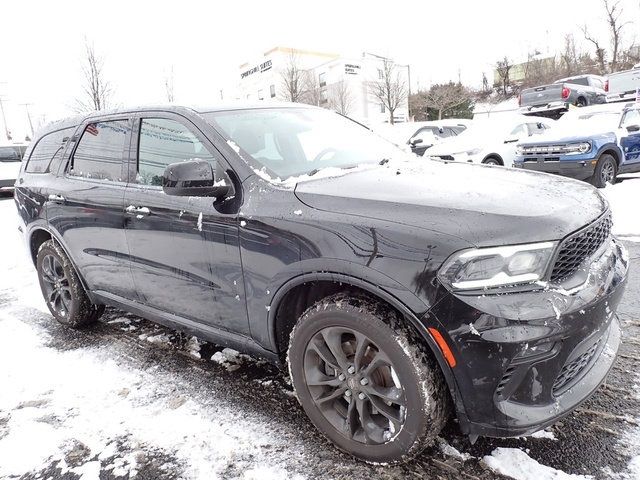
<point x="380" y="74"/>
<point x="382" y="109"/>
<point x="272" y="91"/>
<point x="323" y="96"/>
<point x="260" y="95"/>
<point x="322" y="79"/>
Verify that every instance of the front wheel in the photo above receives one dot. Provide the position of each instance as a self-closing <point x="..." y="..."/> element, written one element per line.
<point x="365" y="379"/>
<point x="605" y="172"/>
<point x="61" y="288"/>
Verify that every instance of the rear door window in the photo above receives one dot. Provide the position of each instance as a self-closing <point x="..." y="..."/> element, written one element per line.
<point x="48" y="147"/>
<point x="163" y="142"/>
<point x="100" y="151"/>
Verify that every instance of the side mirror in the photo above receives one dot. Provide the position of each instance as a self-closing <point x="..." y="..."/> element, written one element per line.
<point x="194" y="178"/>
<point x="415" y="141"/>
<point x="633" y="128"/>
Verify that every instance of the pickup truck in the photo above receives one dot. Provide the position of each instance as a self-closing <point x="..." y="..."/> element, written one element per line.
<point x="593" y="144"/>
<point x="555" y="99"/>
<point x="622" y="86"/>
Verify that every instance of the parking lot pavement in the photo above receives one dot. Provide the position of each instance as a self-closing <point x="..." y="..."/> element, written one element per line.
<point x="128" y="398"/>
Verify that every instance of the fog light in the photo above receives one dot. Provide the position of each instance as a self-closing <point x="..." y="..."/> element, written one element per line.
<point x="535" y="350"/>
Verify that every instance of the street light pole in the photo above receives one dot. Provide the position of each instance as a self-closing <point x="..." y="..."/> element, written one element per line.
<point x="26" y="107"/>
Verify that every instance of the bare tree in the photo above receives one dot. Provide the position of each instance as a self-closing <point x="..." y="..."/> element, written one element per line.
<point x="503" y="69"/>
<point x="312" y="91"/>
<point x="293" y="79"/>
<point x="600" y="51"/>
<point x="340" y="97"/>
<point x="614" y="12"/>
<point x="168" y="86"/>
<point x="390" y="89"/>
<point x="97" y="90"/>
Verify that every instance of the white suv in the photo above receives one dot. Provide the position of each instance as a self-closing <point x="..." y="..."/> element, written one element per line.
<point x="10" y="158"/>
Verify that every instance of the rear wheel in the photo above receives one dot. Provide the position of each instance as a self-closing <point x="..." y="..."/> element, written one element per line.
<point x="581" y="102"/>
<point x="61" y="288"/>
<point x="365" y="379"/>
<point x="605" y="172"/>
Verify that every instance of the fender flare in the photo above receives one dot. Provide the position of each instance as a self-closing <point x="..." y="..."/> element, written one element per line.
<point x="58" y="239"/>
<point x="611" y="146"/>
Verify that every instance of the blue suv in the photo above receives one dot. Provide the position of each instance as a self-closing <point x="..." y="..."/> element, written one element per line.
<point x="594" y="144"/>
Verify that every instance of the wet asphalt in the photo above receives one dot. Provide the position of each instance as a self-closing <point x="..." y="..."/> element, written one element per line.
<point x="588" y="441"/>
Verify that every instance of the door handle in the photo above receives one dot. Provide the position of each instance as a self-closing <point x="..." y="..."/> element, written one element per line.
<point x="56" y="198"/>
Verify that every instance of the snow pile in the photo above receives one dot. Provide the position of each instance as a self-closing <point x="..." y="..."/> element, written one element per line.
<point x="623" y="198"/>
<point x="518" y="465"/>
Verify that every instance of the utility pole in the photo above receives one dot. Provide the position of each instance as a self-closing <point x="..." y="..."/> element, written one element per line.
<point x="26" y="107"/>
<point x="4" y="120"/>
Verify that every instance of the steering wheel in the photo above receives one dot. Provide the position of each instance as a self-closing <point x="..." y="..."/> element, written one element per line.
<point x="323" y="153"/>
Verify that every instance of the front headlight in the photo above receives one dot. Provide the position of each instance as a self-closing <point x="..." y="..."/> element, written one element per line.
<point x="577" y="148"/>
<point x="519" y="150"/>
<point x="482" y="268"/>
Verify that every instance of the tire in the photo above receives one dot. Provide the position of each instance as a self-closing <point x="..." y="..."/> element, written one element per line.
<point x="491" y="161"/>
<point x="396" y="365"/>
<point x="581" y="102"/>
<point x="61" y="288"/>
<point x="606" y="171"/>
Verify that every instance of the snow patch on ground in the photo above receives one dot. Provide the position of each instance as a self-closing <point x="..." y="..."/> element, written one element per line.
<point x="545" y="434"/>
<point x="517" y="464"/>
<point x="82" y="395"/>
<point x="623" y="199"/>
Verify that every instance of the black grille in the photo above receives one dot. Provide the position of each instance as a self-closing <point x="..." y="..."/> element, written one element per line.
<point x="579" y="247"/>
<point x="574" y="368"/>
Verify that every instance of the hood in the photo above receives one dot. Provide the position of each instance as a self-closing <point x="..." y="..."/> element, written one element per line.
<point x="480" y="204"/>
<point x="570" y="134"/>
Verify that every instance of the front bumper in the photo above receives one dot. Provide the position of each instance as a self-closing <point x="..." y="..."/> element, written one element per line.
<point x="547" y="107"/>
<point x="580" y="169"/>
<point x="526" y="359"/>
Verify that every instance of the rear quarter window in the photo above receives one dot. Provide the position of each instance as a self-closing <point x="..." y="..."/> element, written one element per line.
<point x="48" y="147"/>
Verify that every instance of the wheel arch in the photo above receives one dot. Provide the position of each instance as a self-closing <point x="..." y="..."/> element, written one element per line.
<point x="40" y="234"/>
<point x="612" y="150"/>
<point x="284" y="311"/>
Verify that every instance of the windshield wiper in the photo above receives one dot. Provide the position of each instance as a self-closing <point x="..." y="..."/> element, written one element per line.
<point x="313" y="172"/>
<point x="383" y="161"/>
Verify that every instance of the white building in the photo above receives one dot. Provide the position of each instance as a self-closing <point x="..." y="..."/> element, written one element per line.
<point x="341" y="83"/>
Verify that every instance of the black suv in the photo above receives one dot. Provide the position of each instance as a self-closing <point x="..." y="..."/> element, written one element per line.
<point x="394" y="288"/>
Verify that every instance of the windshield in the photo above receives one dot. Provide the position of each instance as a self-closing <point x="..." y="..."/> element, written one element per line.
<point x="297" y="141"/>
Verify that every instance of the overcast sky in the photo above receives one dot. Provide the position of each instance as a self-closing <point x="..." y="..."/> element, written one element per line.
<point x="42" y="42"/>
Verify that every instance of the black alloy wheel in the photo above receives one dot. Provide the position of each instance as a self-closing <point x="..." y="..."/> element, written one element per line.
<point x="354" y="384"/>
<point x="366" y="379"/>
<point x="61" y="288"/>
<point x="606" y="171"/>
